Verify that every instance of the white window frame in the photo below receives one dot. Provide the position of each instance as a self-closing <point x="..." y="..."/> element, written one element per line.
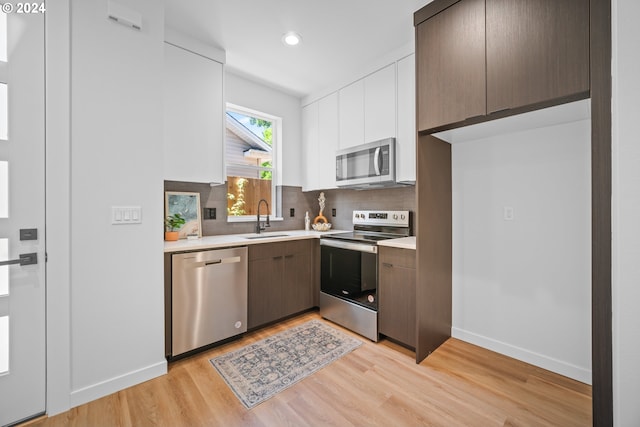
<point x="276" y="143"/>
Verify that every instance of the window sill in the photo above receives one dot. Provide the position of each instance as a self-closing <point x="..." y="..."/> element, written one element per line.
<point x="251" y="218"/>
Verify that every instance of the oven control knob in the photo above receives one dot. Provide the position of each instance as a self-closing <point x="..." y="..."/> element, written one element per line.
<point x="395" y="216"/>
<point x="402" y="216"/>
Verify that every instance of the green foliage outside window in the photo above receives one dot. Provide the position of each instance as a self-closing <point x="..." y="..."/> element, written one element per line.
<point x="267" y="136"/>
<point x="238" y="207"/>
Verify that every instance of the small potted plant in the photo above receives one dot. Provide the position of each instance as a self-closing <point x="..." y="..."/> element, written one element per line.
<point x="172" y="224"/>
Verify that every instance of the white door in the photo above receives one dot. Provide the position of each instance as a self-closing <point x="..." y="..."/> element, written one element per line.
<point x="22" y="287"/>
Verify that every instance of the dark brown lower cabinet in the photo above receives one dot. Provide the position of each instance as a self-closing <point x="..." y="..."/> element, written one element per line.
<point x="397" y="294"/>
<point x="297" y="289"/>
<point x="281" y="280"/>
<point x="265" y="287"/>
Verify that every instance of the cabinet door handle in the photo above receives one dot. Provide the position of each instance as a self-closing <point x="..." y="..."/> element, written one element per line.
<point x="388" y="265"/>
<point x="288" y="256"/>
<point x="277" y="257"/>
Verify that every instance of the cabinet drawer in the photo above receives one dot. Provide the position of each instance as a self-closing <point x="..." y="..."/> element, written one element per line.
<point x="266" y="250"/>
<point x="296" y="246"/>
<point x="397" y="257"/>
<point x="278" y="249"/>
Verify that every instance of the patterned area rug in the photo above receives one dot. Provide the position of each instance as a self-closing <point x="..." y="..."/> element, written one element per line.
<point x="260" y="370"/>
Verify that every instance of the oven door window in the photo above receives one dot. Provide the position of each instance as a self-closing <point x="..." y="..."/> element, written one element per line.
<point x="347" y="273"/>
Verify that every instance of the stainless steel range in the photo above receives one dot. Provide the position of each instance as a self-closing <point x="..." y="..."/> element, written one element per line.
<point x="349" y="272"/>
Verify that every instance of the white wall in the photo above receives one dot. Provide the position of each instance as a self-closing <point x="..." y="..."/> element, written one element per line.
<point x="626" y="213"/>
<point x="116" y="292"/>
<point x="58" y="158"/>
<point x="523" y="287"/>
<point x="249" y="94"/>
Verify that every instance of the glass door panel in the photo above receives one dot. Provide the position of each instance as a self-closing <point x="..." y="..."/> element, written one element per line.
<point x="22" y="157"/>
<point x="4" y="344"/>
<point x="4" y="270"/>
<point x="4" y="112"/>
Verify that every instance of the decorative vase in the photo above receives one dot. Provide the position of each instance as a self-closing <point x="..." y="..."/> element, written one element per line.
<point x="171" y="236"/>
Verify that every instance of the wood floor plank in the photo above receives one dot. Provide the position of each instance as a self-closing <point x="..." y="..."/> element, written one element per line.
<point x="377" y="384"/>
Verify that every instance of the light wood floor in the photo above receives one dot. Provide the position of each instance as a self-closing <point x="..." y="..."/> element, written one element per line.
<point x="375" y="385"/>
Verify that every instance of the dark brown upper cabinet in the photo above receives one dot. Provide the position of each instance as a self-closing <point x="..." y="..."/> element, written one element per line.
<point x="451" y="65"/>
<point x="483" y="59"/>
<point x="537" y="51"/>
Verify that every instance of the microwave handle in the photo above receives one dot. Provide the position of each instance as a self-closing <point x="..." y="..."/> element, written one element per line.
<point x="376" y="161"/>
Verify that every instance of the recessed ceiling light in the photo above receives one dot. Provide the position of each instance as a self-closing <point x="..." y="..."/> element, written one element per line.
<point x="291" y="38"/>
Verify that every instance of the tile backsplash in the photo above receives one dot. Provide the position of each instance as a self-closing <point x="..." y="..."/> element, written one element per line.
<point x="346" y="201"/>
<point x="342" y="200"/>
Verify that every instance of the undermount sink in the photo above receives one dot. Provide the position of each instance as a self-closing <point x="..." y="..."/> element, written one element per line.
<point x="265" y="236"/>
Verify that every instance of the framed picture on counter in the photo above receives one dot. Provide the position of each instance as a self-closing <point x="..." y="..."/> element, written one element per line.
<point x="187" y="205"/>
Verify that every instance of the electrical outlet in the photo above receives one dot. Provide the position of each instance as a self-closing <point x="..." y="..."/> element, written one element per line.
<point x="333" y="212"/>
<point x="292" y="212"/>
<point x="209" y="213"/>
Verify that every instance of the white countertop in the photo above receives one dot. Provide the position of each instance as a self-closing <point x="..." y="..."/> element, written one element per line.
<point x="230" y="240"/>
<point x="402" y="243"/>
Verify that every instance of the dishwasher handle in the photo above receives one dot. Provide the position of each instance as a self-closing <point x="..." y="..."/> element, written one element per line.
<point x="228" y="260"/>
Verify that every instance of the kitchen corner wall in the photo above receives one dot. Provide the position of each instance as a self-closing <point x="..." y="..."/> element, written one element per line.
<point x="343" y="201"/>
<point x="522" y="246"/>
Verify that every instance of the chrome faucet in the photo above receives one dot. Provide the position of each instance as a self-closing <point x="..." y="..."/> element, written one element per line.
<point x="258" y="226"/>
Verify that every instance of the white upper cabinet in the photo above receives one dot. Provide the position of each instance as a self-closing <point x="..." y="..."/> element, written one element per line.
<point x="351" y="107"/>
<point x="406" y="137"/>
<point x="310" y="146"/>
<point x="380" y="104"/>
<point x="327" y="141"/>
<point x="368" y="108"/>
<point x="320" y="142"/>
<point x="193" y="120"/>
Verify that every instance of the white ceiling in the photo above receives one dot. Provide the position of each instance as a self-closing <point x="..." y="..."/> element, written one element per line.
<point x="340" y="37"/>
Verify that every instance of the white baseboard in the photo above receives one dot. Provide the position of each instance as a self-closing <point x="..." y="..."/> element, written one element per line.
<point x="554" y="365"/>
<point x="105" y="388"/>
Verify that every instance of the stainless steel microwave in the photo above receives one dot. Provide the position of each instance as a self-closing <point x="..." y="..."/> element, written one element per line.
<point x="367" y="165"/>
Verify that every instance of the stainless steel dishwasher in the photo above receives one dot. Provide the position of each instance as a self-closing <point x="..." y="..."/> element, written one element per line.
<point x="208" y="297"/>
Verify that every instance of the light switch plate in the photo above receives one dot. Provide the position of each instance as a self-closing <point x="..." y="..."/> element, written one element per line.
<point x="126" y="215"/>
<point x="507" y="213"/>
